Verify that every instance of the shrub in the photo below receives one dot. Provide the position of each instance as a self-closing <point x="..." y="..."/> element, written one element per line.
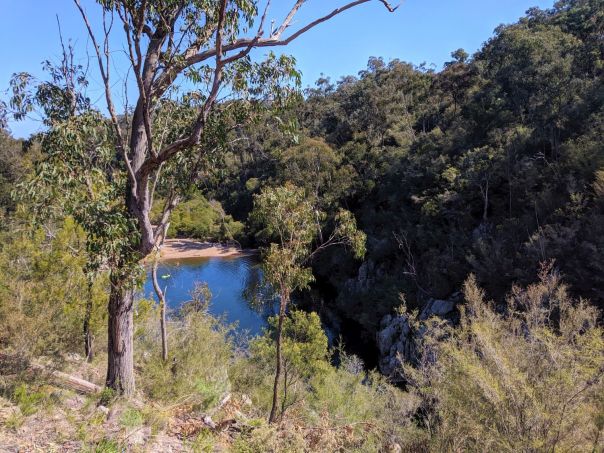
<point x="201" y="219"/>
<point x="199" y="354"/>
<point x="44" y="291"/>
<point x="531" y="378"/>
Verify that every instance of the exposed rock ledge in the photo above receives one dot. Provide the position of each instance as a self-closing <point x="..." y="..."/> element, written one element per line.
<point x="399" y="339"/>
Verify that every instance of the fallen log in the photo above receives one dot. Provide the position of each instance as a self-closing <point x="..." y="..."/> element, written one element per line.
<point x="16" y="365"/>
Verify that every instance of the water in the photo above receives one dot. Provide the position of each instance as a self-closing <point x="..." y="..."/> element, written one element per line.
<point x="234" y="282"/>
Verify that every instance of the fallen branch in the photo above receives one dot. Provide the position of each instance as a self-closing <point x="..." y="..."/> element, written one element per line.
<point x="18" y="364"/>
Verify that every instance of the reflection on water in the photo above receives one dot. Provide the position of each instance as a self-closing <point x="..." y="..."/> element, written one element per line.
<point x="235" y="282"/>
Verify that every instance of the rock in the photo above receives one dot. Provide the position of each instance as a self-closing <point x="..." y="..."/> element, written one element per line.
<point x="395" y="343"/>
<point x="246" y="400"/>
<point x="75" y="403"/>
<point x="436" y="307"/>
<point x="399" y="339"/>
<point x="393" y="447"/>
<point x="140" y="436"/>
<point x="365" y="279"/>
<point x="73" y="357"/>
<point x="208" y="421"/>
<point x="103" y="409"/>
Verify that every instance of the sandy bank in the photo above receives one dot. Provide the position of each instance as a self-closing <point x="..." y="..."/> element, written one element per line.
<point x="174" y="249"/>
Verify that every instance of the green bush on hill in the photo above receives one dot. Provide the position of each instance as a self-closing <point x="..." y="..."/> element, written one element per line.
<point x="201" y="219"/>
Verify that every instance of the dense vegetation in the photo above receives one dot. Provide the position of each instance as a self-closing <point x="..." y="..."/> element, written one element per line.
<point x="482" y="182"/>
<point x="490" y="166"/>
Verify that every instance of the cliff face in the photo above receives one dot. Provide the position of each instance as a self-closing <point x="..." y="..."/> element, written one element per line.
<point x="400" y="337"/>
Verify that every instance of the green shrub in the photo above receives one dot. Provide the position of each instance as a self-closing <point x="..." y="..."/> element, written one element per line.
<point x="44" y="291"/>
<point x="107" y="396"/>
<point x="106" y="446"/>
<point x="28" y="401"/>
<point x="200" y="219"/>
<point x="199" y="355"/>
<point x="529" y="379"/>
<point x="131" y="418"/>
<point x="327" y="408"/>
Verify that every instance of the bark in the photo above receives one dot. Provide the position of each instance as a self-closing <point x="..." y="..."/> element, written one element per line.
<point x="284" y="399"/>
<point x="120" y="362"/>
<point x="279" y="362"/>
<point x="485" y="199"/>
<point x="161" y="295"/>
<point x="87" y="334"/>
<point x="120" y="359"/>
<point x="164" y="332"/>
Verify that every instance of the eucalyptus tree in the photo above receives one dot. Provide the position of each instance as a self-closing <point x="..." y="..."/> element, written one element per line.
<point x="293" y="220"/>
<point x="195" y="82"/>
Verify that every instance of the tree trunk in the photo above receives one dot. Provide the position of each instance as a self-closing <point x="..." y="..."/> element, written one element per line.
<point x="87" y="334"/>
<point x="284" y="399"/>
<point x="279" y="363"/>
<point x="120" y="361"/>
<point x="164" y="331"/>
<point x="485" y="198"/>
<point x="161" y="295"/>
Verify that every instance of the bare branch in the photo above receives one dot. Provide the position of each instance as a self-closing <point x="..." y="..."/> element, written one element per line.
<point x="288" y="19"/>
<point x="110" y="106"/>
<point x="389" y="7"/>
<point x="190" y="58"/>
<point x="161" y="230"/>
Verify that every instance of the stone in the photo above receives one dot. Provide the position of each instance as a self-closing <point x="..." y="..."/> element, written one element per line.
<point x="399" y="341"/>
<point x="246" y="400"/>
<point x="140" y="436"/>
<point x="436" y="307"/>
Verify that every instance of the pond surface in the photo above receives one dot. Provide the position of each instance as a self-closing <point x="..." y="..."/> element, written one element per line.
<point x="233" y="281"/>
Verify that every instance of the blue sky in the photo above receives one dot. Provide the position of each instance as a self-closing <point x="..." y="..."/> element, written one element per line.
<point x="419" y="31"/>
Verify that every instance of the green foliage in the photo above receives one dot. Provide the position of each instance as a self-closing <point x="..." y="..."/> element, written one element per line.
<point x="79" y="177"/>
<point x="316" y="167"/>
<point x="107" y="396"/>
<point x="304" y="351"/>
<point x="201" y="296"/>
<point x="106" y="446"/>
<point x="290" y="217"/>
<point x="131" y="418"/>
<point x="529" y="378"/>
<point x="366" y="405"/>
<point x="200" y="351"/>
<point x="489" y="166"/>
<point x="329" y="409"/>
<point x="44" y="290"/>
<point x="27" y="399"/>
<point x="201" y="219"/>
<point x="15" y="164"/>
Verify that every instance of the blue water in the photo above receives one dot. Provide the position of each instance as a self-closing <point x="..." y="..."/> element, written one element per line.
<point x="235" y="283"/>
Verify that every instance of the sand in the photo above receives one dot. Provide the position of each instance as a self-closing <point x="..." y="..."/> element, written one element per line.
<point x="174" y="249"/>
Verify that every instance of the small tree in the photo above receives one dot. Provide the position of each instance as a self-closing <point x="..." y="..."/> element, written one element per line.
<point x="479" y="168"/>
<point x="105" y="170"/>
<point x="304" y="350"/>
<point x="290" y="218"/>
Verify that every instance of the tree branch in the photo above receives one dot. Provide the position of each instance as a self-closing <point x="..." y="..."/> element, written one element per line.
<point x="256" y="42"/>
<point x="110" y="106"/>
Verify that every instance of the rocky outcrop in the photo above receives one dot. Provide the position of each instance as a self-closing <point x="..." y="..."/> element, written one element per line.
<point x="400" y="336"/>
<point x="367" y="275"/>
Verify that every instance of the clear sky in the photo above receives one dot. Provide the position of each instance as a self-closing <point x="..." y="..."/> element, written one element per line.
<point x="419" y="31"/>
